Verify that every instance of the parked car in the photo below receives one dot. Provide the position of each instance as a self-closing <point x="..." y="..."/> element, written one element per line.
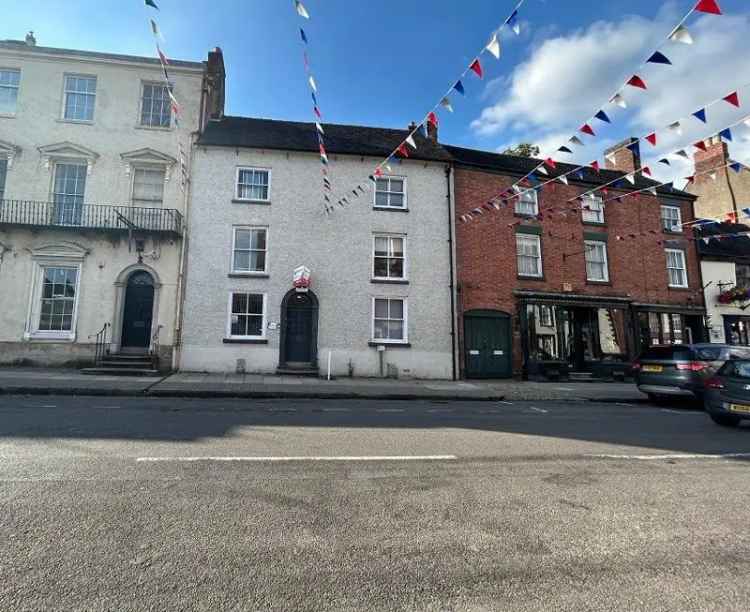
<point x="727" y="395"/>
<point x="681" y="370"/>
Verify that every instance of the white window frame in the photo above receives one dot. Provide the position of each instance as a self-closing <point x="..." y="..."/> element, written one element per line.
<point x="139" y="119"/>
<point x="152" y="167"/>
<point x="237" y="184"/>
<point x="388" y="178"/>
<point x="538" y="240"/>
<point x="598" y="213"/>
<point x="35" y="301"/>
<point x="264" y="324"/>
<point x="405" y="276"/>
<point x="234" y="242"/>
<point x="683" y="259"/>
<point x="519" y="200"/>
<point x="596" y="243"/>
<point x="16" y="87"/>
<point x="65" y="96"/>
<point x="405" y="302"/>
<point x="674" y="229"/>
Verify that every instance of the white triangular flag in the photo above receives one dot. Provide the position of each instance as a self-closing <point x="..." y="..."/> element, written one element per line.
<point x="494" y="46"/>
<point x="446" y="103"/>
<point x="576" y="141"/>
<point x="682" y="35"/>
<point x="619" y="100"/>
<point x="652" y="190"/>
<point x="563" y="179"/>
<point x="410" y="142"/>
<point x="301" y="10"/>
<point x="388" y="169"/>
<point x="706" y="240"/>
<point x="320" y="128"/>
<point x="712" y="176"/>
<point x="542" y="170"/>
<point x="611" y="157"/>
<point x="313" y="86"/>
<point x="747" y="122"/>
<point x="676" y="127"/>
<point x="630" y="178"/>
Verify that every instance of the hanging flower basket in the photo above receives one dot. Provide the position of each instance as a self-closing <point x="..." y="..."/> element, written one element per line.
<point x="738" y="294"/>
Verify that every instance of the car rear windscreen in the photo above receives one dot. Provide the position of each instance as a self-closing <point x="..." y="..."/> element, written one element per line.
<point x="708" y="353"/>
<point x="667" y="352"/>
<point x="736" y="369"/>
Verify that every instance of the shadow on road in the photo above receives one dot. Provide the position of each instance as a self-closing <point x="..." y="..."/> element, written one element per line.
<point x="673" y="427"/>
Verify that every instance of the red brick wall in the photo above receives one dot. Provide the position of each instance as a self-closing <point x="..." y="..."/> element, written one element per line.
<point x="486" y="250"/>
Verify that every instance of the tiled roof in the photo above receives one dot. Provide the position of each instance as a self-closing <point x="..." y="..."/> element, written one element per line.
<point x="728" y="248"/>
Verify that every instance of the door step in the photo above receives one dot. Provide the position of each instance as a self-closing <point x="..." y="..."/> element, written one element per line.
<point x="110" y="371"/>
<point x="581" y="376"/>
<point x="298" y="372"/>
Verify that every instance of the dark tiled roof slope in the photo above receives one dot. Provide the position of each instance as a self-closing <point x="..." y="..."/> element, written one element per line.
<point x="16" y="45"/>
<point x="298" y="136"/>
<point x="518" y="165"/>
<point x="729" y="248"/>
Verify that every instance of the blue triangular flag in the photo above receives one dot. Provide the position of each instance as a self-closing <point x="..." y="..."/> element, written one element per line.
<point x="618" y="183"/>
<point x="746" y="211"/>
<point x="602" y="116"/>
<point x="302" y="34"/>
<point x="736" y="166"/>
<point x="151" y="3"/>
<point x="512" y="22"/>
<point x="664" y="160"/>
<point x="564" y="149"/>
<point x="579" y="174"/>
<point x="314" y="98"/>
<point x="424" y="130"/>
<point x="459" y="87"/>
<point x="700" y="114"/>
<point x="634" y="146"/>
<point x="726" y="133"/>
<point x="658" y="58"/>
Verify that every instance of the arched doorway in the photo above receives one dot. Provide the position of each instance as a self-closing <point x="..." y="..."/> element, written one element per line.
<point x="299" y="331"/>
<point x="487" y="344"/>
<point x="138" y="312"/>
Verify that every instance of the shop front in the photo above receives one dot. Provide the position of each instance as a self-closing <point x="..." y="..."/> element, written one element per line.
<point x="659" y="324"/>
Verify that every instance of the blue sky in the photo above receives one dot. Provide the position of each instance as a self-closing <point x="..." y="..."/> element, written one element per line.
<point x="387" y="62"/>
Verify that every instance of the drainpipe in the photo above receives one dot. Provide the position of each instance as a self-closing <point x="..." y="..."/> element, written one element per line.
<point x="451" y="248"/>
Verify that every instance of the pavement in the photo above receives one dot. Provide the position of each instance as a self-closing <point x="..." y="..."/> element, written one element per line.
<point x="148" y="503"/>
<point x="41" y="381"/>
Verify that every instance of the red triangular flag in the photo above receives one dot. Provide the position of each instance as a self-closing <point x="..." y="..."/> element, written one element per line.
<point x="636" y="81"/>
<point x="605" y="191"/>
<point x="432" y="118"/>
<point x="477" y="68"/>
<point x="595" y="165"/>
<point x="646" y="170"/>
<point x="700" y="145"/>
<point x="550" y="162"/>
<point x="378" y="171"/>
<point x="732" y="217"/>
<point x="708" y="6"/>
<point x="403" y="150"/>
<point x="586" y="129"/>
<point x="733" y="98"/>
<point x="652" y="138"/>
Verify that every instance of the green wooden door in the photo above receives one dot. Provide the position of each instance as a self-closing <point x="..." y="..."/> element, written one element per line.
<point x="487" y="344"/>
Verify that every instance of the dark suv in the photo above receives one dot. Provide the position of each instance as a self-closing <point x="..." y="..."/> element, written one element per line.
<point x="682" y="369"/>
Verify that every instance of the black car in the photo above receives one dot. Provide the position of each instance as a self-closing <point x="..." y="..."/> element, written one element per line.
<point x="727" y="395"/>
<point x="681" y="370"/>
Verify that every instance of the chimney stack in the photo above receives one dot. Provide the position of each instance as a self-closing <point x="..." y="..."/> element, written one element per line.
<point x="716" y="154"/>
<point x="625" y="159"/>
<point x="214" y="78"/>
<point x="30" y="40"/>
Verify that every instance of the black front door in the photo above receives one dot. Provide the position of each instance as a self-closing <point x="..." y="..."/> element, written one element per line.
<point x="139" y="307"/>
<point x="487" y="345"/>
<point x="299" y="329"/>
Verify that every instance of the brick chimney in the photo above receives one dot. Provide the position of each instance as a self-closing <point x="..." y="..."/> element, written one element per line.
<point x="717" y="191"/>
<point x="214" y="77"/>
<point x="716" y="154"/>
<point x="432" y="131"/>
<point x="625" y="160"/>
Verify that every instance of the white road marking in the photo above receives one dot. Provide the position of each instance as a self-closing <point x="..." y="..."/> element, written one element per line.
<point x="541" y="410"/>
<point x="440" y="410"/>
<point x="389" y="410"/>
<point x="49" y="406"/>
<point x="682" y="412"/>
<point x="674" y="456"/>
<point x="337" y="409"/>
<point x="506" y="403"/>
<point x="564" y="389"/>
<point x="301" y="458"/>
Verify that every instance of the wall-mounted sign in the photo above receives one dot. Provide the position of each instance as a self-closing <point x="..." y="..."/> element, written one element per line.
<point x="301" y="280"/>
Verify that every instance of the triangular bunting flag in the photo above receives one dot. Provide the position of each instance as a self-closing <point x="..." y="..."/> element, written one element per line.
<point x="576" y="141"/>
<point x="162" y="57"/>
<point x="630" y="178"/>
<point x="746" y="212"/>
<point x="564" y="149"/>
<point x="579" y="175"/>
<point x="652" y="138"/>
<point x="542" y="170"/>
<point x="151" y="3"/>
<point x="459" y="87"/>
<point x="701" y="145"/>
<point x="610" y="157"/>
<point x="319" y="127"/>
<point x="646" y="170"/>
<point x="602" y="116"/>
<point x="512" y="22"/>
<point x="726" y="134"/>
<point x="619" y="101"/>
<point x="652" y="190"/>
<point x="550" y="162"/>
<point x="155" y="29"/>
<point x="316" y="110"/>
<point x="681" y="35"/>
<point x="587" y="129"/>
<point x="713" y="176"/>
<point x="301" y="10"/>
<point x="733" y="99"/>
<point x="312" y="83"/>
<point x="708" y="6"/>
<point x="563" y="179"/>
<point x="378" y="172"/>
<point x="636" y="81"/>
<point x="446" y="103"/>
<point x="736" y="166"/>
<point x="410" y="141"/>
<point x="493" y="46"/>
<point x="700" y="114"/>
<point x="595" y="165"/>
<point x="634" y="146"/>
<point x="303" y="35"/>
<point x="658" y="58"/>
<point x="314" y="98"/>
<point x="425" y="131"/>
<point x="476" y="67"/>
<point x="432" y="118"/>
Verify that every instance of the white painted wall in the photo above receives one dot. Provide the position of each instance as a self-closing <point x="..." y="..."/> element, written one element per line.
<point x="115" y="130"/>
<point x="717" y="273"/>
<point x="337" y="249"/>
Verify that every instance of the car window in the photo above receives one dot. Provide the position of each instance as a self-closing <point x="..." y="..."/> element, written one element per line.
<point x="708" y="353"/>
<point x="739" y="353"/>
<point x="667" y="352"/>
<point x="736" y="369"/>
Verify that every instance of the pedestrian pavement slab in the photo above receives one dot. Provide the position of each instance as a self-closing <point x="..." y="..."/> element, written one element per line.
<point x="49" y="381"/>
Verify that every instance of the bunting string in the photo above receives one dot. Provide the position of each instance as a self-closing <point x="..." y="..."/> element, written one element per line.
<point x="679" y="34"/>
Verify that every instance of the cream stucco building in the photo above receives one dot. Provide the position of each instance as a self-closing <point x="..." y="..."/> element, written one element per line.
<point x="93" y="194"/>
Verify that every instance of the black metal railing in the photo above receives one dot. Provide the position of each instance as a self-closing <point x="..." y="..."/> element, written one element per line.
<point x="72" y="215"/>
<point x="101" y="346"/>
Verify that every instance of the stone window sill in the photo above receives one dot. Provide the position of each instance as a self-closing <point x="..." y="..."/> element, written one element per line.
<point x="390" y="344"/>
<point x="245" y="340"/>
<point x="248" y="275"/>
<point x="530" y="278"/>
<point x="75" y="121"/>
<point x="154" y="128"/>
<point x="391" y="209"/>
<point x="389" y="281"/>
<point x="258" y="202"/>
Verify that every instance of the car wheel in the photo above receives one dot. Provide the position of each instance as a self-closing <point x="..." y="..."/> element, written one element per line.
<point x="725" y="420"/>
<point x="655" y="399"/>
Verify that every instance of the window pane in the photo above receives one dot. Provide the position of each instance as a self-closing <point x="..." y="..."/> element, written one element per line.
<point x="242" y="261"/>
<point x="397" y="200"/>
<point x="255" y="326"/>
<point x="255" y="304"/>
<point x="9" y="80"/>
<point x="395" y="330"/>
<point x="381" y="247"/>
<point x="241" y="239"/>
<point x="239" y="303"/>
<point x="156" y="108"/>
<point x="396" y="268"/>
<point x="381" y="329"/>
<point x="397" y="186"/>
<point x="258" y="261"/>
<point x="381" y="309"/>
<point x="381" y="199"/>
<point x="396" y="309"/>
<point x="239" y="325"/>
<point x="259" y="239"/>
<point x="381" y="267"/>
